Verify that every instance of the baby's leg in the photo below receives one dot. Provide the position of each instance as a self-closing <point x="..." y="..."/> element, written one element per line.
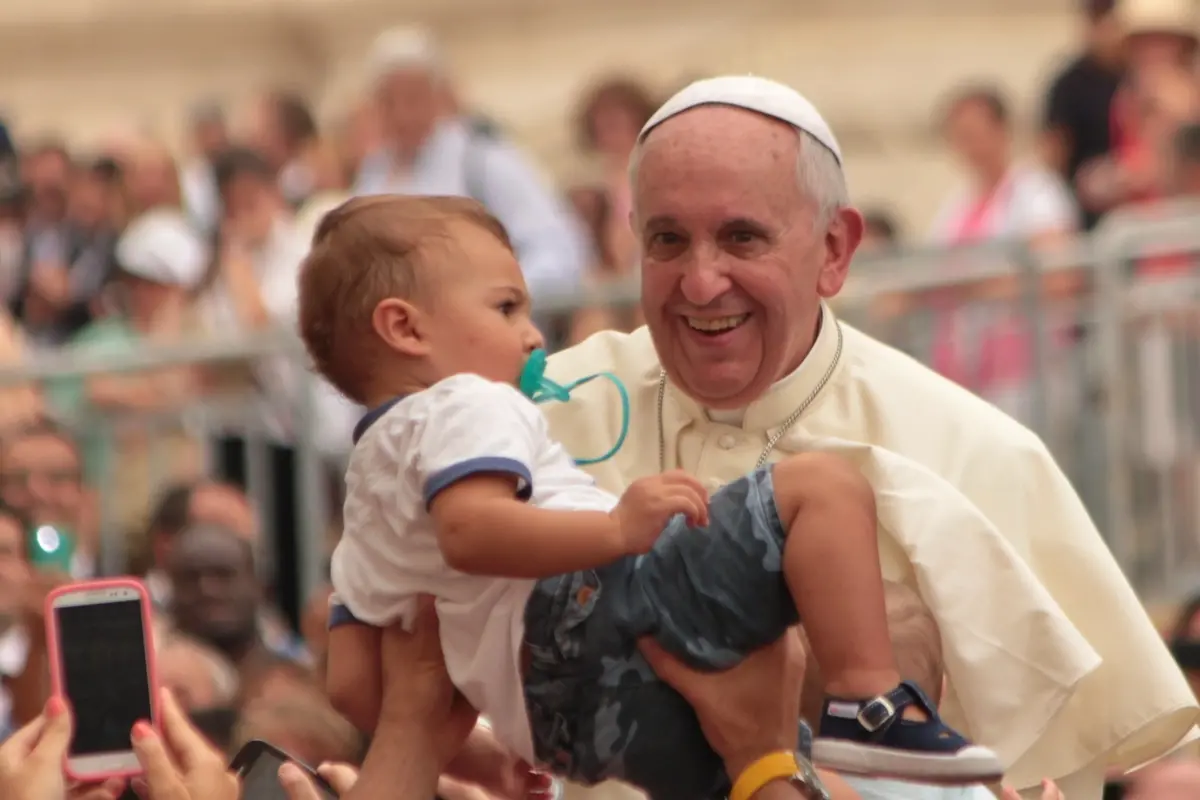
<point x="871" y="723"/>
<point x="831" y="563"/>
<point x="354" y="673"/>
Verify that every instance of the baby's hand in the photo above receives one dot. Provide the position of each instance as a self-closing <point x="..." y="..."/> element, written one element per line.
<point x="649" y="503"/>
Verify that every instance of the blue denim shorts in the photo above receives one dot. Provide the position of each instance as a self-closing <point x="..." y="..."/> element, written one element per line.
<point x="707" y="595"/>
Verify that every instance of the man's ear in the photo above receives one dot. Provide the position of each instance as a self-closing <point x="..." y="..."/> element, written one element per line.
<point x="398" y="323"/>
<point x="842" y="238"/>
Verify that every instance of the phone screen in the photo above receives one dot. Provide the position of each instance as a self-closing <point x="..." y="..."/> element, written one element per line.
<point x="260" y="779"/>
<point x="105" y="676"/>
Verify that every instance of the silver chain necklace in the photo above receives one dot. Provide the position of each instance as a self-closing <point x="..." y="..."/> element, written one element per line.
<point x="779" y="433"/>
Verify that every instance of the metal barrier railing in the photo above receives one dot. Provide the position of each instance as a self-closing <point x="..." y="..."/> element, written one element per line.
<point x="1109" y="376"/>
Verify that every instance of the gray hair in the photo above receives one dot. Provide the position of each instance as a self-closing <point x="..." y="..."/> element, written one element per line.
<point x="818" y="171"/>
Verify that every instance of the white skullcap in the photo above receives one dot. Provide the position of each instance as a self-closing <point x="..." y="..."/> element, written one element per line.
<point x="397" y="48"/>
<point x="754" y="94"/>
<point x="161" y="247"/>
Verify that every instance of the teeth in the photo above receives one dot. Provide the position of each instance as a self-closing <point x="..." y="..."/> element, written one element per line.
<point x="718" y="324"/>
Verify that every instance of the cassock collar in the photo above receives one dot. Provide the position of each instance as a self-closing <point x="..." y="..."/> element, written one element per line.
<point x="770" y="410"/>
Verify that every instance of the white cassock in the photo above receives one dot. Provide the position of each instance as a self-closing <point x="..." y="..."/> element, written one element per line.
<point x="1064" y="681"/>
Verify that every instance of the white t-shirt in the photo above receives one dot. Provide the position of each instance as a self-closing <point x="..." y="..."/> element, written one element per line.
<point x="405" y="455"/>
<point x="1027" y="202"/>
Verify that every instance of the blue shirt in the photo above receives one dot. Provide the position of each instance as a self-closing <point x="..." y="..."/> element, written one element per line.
<point x="549" y="240"/>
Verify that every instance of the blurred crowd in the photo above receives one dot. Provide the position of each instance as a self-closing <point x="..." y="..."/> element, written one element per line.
<point x="130" y="245"/>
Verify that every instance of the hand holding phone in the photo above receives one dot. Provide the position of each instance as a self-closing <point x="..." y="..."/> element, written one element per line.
<point x="258" y="763"/>
<point x="102" y="663"/>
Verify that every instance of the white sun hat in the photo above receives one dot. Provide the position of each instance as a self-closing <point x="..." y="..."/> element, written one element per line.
<point x="752" y="93"/>
<point x="403" y="48"/>
<point x="161" y="247"/>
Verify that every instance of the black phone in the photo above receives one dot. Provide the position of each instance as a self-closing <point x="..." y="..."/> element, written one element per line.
<point x="257" y="765"/>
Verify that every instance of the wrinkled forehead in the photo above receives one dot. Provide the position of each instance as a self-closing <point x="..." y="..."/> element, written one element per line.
<point x="716" y="155"/>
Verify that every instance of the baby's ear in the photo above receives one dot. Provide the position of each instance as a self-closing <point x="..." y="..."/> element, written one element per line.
<point x="398" y="323"/>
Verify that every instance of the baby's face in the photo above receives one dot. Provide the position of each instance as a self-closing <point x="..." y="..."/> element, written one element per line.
<point x="479" y="320"/>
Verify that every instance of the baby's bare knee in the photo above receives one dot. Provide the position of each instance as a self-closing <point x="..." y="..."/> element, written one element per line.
<point x="820" y="478"/>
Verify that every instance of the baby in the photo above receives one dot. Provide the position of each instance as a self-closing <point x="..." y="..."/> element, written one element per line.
<point x="416" y="308"/>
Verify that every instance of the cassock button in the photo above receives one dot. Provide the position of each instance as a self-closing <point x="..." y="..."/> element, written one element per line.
<point x="727" y="442"/>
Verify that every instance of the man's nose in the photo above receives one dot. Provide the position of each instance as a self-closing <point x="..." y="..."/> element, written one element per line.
<point x="703" y="283"/>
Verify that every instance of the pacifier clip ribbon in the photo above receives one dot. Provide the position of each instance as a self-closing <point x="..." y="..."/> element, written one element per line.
<point x="534" y="384"/>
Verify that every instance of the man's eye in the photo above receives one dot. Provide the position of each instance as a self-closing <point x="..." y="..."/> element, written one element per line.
<point x="508" y="308"/>
<point x="665" y="238"/>
<point x="743" y="237"/>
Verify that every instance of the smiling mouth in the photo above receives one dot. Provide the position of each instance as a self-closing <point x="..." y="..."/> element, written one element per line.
<point x="717" y="326"/>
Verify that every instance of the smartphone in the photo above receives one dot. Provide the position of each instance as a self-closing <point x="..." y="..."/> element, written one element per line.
<point x="101" y="652"/>
<point x="50" y="547"/>
<point x="257" y="765"/>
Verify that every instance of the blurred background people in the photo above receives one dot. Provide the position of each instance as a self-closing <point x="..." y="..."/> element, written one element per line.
<point x="429" y="148"/>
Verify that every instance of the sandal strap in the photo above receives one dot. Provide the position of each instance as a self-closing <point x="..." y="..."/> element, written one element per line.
<point x="878" y="715"/>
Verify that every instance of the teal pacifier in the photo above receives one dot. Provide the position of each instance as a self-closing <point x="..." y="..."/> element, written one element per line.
<point x="534" y="384"/>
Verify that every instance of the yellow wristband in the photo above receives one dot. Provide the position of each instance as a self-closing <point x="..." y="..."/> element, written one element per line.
<point x="771" y="767"/>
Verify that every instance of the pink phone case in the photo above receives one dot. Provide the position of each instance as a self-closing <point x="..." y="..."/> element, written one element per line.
<point x="56" y="677"/>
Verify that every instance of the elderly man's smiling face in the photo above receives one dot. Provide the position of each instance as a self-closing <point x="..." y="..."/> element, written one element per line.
<point x="735" y="257"/>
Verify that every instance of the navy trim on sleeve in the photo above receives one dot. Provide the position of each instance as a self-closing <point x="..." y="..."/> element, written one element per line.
<point x="339" y="615"/>
<point x="444" y="479"/>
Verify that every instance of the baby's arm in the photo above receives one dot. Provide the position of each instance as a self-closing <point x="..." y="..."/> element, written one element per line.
<point x="484" y="528"/>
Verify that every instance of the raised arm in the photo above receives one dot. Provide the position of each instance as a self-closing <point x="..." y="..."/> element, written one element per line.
<point x="484" y="527"/>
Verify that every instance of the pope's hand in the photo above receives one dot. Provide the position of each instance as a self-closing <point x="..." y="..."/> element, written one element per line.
<point x="649" y="503"/>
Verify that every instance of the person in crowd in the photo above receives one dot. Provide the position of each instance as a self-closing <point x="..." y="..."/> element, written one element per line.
<point x="20" y="404"/>
<point x="216" y="597"/>
<point x="1002" y="197"/>
<point x="209" y="135"/>
<point x="160" y="261"/>
<point x="284" y="131"/>
<point x="197" y="675"/>
<point x="41" y="477"/>
<point x="151" y="178"/>
<point x="977" y="342"/>
<point x="14" y="586"/>
<point x="595" y="208"/>
<point x="67" y="249"/>
<point x="430" y="152"/>
<point x="358" y="134"/>
<point x="251" y="289"/>
<point x="184" y="504"/>
<point x="1160" y="34"/>
<point x="12" y="224"/>
<point x="1158" y="92"/>
<point x="1172" y="779"/>
<point x="729" y="235"/>
<point x="1186" y="169"/>
<point x="612" y="113"/>
<point x="1076" y="119"/>
<point x="881" y="232"/>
